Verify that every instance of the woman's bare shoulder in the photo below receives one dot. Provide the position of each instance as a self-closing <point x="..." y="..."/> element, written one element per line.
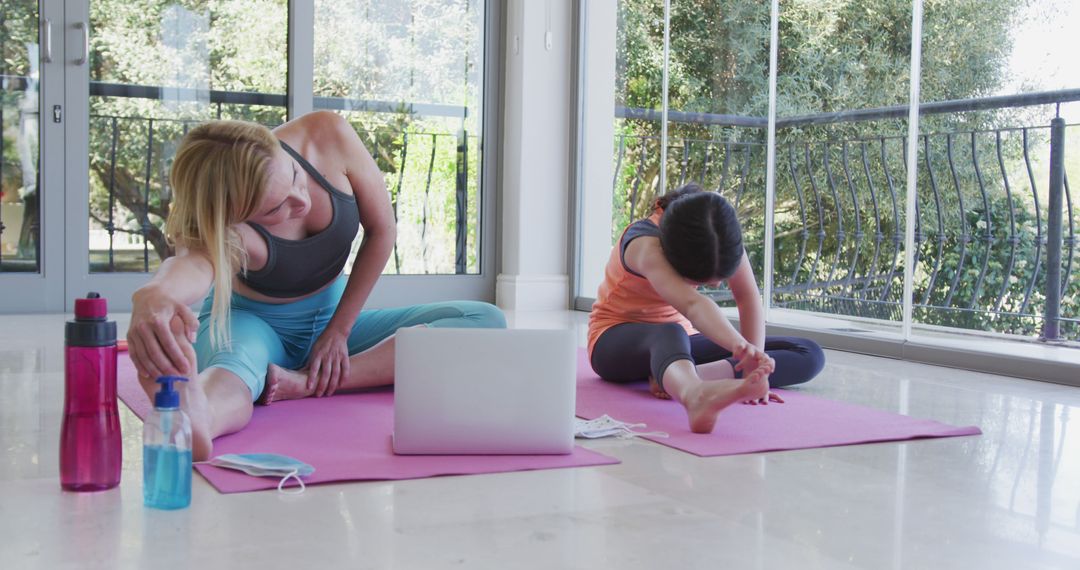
<point x="317" y="127"/>
<point x="324" y="122"/>
<point x="643" y="253"/>
<point x="322" y="137"/>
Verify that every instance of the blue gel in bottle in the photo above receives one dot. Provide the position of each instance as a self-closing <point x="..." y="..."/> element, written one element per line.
<point x="167" y="450"/>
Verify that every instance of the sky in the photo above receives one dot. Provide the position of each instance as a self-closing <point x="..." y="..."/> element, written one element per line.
<point x="1046" y="51"/>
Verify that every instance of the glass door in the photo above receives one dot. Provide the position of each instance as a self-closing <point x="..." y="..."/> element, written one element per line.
<point x="31" y="178"/>
<point x="115" y="84"/>
<point x="410" y="77"/>
<point x="140" y="74"/>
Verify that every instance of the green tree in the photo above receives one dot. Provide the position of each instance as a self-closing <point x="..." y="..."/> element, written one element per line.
<point x="421" y="51"/>
<point x="838" y="183"/>
<point x="19" y="154"/>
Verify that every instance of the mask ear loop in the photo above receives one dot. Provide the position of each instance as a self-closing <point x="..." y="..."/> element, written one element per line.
<point x="632" y="434"/>
<point x="628" y="431"/>
<point x="292" y="475"/>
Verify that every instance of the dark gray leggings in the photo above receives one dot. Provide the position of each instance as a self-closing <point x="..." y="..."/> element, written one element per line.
<point x="632" y="351"/>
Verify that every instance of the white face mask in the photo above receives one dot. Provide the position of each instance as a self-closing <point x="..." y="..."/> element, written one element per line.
<point x="606" y="426"/>
<point x="266" y="465"/>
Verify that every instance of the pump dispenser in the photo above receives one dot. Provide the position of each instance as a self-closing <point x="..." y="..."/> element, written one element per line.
<point x="167" y="450"/>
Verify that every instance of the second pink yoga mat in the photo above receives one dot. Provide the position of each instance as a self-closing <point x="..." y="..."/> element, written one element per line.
<point x="802" y="422"/>
<point x="346" y="438"/>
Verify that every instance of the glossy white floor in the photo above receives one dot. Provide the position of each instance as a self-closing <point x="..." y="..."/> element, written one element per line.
<point x="1007" y="499"/>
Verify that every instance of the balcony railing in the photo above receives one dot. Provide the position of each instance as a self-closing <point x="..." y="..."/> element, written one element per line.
<point x="130" y="157"/>
<point x="992" y="236"/>
<point x="991" y="252"/>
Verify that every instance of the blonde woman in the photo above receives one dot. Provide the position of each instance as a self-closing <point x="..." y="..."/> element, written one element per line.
<point x="262" y="222"/>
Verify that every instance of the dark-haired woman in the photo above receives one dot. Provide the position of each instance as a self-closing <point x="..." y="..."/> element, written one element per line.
<point x="651" y="321"/>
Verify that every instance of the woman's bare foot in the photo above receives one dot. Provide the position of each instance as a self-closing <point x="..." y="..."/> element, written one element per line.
<point x="196" y="406"/>
<point x="657" y="390"/>
<point x="705" y="401"/>
<point x="283" y="384"/>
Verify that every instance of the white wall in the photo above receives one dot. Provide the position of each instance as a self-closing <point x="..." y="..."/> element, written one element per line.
<point x="537" y="107"/>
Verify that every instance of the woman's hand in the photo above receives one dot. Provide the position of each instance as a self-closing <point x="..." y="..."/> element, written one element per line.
<point x="751" y="359"/>
<point x="764" y="396"/>
<point x="756" y="366"/>
<point x="328" y="364"/>
<point x="154" y="348"/>
<point x="772" y="397"/>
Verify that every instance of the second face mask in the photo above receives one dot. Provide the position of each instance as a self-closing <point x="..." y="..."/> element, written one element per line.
<point x="265" y="465"/>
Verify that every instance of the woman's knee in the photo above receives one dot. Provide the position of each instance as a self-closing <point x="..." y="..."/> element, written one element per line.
<point x="634" y="351"/>
<point x="253" y="346"/>
<point x="447" y="314"/>
<point x="484" y="315"/>
<point x="808" y="361"/>
<point x="817" y="354"/>
<point x="813" y="357"/>
<point x="620" y="370"/>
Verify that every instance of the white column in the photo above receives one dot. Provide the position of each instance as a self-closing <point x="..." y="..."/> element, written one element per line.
<point x="301" y="52"/>
<point x="770" y="162"/>
<point x="536" y="162"/>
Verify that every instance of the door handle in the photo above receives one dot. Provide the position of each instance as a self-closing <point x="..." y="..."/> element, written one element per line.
<point x="86" y="42"/>
<point x="46" y="33"/>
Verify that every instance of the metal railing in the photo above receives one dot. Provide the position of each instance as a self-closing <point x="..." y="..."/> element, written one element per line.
<point x="130" y="157"/>
<point x="995" y="242"/>
<point x="220" y="98"/>
<point x="985" y="250"/>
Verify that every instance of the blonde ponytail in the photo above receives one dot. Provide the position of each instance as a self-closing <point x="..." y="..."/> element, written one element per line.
<point x="218" y="178"/>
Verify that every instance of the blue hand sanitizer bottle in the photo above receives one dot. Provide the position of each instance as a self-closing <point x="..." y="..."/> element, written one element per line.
<point x="167" y="450"/>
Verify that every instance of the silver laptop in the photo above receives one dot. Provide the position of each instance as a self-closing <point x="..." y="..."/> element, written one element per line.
<point x="484" y="391"/>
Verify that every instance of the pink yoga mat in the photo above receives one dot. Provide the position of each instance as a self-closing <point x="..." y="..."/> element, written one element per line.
<point x="346" y="438"/>
<point x="801" y="422"/>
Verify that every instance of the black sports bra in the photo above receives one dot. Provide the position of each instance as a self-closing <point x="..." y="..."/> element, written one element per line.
<point x="298" y="267"/>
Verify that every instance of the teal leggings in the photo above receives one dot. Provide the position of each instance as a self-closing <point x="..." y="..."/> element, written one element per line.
<point x="283" y="334"/>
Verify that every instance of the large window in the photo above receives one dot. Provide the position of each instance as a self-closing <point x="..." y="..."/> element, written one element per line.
<point x="92" y="111"/>
<point x="985" y="250"/>
<point x="983" y="231"/>
<point x="716" y="127"/>
<point x="409" y="76"/>
<point x="840" y="183"/>
<point x="156" y="69"/>
<point x="713" y="130"/>
<point x="20" y="193"/>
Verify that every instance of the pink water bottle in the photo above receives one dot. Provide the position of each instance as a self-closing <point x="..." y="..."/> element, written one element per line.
<point x="90" y="434"/>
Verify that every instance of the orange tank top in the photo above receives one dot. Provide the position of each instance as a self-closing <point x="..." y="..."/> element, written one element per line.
<point x="624" y="297"/>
